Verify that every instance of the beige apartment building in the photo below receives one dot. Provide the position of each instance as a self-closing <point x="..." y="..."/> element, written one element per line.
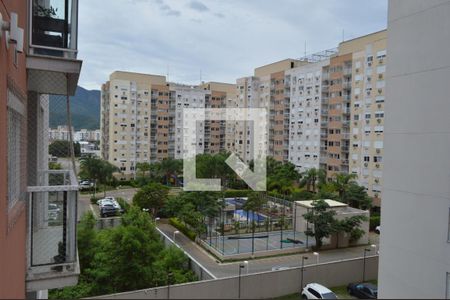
<point x="142" y="119"/>
<point x="367" y="109"/>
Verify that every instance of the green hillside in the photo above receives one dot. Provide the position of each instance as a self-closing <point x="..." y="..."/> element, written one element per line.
<point x="85" y="108"/>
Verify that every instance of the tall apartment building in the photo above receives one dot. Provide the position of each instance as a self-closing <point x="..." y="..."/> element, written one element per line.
<point x="367" y="109"/>
<point x="338" y="118"/>
<point x="266" y="89"/>
<point x="304" y="85"/>
<point x="220" y="94"/>
<point x="188" y="97"/>
<point x="415" y="238"/>
<point x="142" y="119"/>
<point x="38" y="57"/>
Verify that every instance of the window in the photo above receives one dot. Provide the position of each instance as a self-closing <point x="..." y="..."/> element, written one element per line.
<point x="16" y="154"/>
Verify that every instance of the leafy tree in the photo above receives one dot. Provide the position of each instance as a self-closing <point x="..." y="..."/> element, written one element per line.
<point x="322" y="220"/>
<point x="172" y="260"/>
<point x="254" y="203"/>
<point x="54" y="166"/>
<point x="152" y="196"/>
<point x="97" y="169"/>
<point x="61" y="148"/>
<point x="351" y="226"/>
<point x="86" y="237"/>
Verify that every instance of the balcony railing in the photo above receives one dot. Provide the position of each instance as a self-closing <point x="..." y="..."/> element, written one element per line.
<point x="52" y="251"/>
<point x="53" y="28"/>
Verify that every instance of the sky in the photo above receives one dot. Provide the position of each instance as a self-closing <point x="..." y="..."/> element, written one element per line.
<point x="212" y="40"/>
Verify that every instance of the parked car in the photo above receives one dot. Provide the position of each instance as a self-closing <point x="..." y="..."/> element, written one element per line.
<point x="378" y="229"/>
<point x="363" y="290"/>
<point x="53" y="211"/>
<point x="107" y="210"/>
<point x="86" y="184"/>
<point x="317" y="291"/>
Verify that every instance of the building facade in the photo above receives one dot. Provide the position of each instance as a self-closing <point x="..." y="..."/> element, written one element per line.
<point x="34" y="64"/>
<point x="304" y="85"/>
<point x="415" y="223"/>
<point x="142" y="119"/>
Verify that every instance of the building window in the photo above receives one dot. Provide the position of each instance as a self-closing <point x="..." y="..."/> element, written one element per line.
<point x="16" y="155"/>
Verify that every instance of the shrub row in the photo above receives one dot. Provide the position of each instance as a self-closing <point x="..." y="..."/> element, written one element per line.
<point x="183" y="228"/>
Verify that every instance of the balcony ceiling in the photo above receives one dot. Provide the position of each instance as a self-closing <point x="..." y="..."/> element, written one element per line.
<point x="53" y="75"/>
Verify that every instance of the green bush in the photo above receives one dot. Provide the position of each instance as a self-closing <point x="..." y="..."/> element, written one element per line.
<point x="181" y="227"/>
<point x="236" y="193"/>
<point x="124" y="204"/>
<point x="374" y="222"/>
<point x="95" y="199"/>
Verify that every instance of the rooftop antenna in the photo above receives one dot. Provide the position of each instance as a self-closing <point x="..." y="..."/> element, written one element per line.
<point x="343" y="39"/>
<point x="305" y="48"/>
<point x="168" y="69"/>
<point x="200" y="76"/>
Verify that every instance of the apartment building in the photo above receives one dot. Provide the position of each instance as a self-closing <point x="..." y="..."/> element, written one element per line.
<point x="338" y="114"/>
<point x="415" y="238"/>
<point x="220" y="94"/>
<point x="38" y="57"/>
<point x="189" y="97"/>
<point x="142" y="119"/>
<point x="87" y="135"/>
<point x="304" y="85"/>
<point x="367" y="109"/>
<point x="62" y="133"/>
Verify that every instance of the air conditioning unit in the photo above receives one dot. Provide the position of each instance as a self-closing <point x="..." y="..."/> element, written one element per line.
<point x="378" y="151"/>
<point x="377" y="165"/>
<point x="379" y="105"/>
<point x="355" y="136"/>
<point x="369" y="64"/>
<point x="366" y="164"/>
<point x="379" y="120"/>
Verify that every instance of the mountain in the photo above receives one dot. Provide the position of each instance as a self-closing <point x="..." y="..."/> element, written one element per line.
<point x="84" y="106"/>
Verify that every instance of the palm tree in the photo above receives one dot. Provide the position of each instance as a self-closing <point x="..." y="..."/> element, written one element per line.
<point x="90" y="168"/>
<point x="342" y="184"/>
<point x="170" y="168"/>
<point x="144" y="167"/>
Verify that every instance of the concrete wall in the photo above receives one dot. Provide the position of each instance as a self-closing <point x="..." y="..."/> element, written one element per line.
<point x="414" y="246"/>
<point x="263" y="285"/>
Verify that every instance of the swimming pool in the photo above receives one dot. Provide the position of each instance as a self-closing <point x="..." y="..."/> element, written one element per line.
<point x="241" y="215"/>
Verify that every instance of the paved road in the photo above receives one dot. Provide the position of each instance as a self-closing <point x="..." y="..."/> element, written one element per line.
<point x="84" y="199"/>
<point x="221" y="270"/>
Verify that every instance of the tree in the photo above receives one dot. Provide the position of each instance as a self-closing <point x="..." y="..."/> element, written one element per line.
<point x="86" y="237"/>
<point x="152" y="196"/>
<point x="312" y="178"/>
<point x="61" y="148"/>
<point x="172" y="260"/>
<point x="322" y="220"/>
<point x="97" y="169"/>
<point x="350" y="226"/>
<point x="144" y="167"/>
<point x="171" y="168"/>
<point x="342" y="183"/>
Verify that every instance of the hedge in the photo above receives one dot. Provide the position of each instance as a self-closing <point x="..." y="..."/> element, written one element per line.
<point x="236" y="193"/>
<point x="181" y="227"/>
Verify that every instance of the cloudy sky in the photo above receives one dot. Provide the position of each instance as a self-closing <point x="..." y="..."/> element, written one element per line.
<point x="221" y="39"/>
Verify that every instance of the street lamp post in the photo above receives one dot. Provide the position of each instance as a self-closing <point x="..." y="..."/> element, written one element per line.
<point x="246" y="266"/>
<point x="156" y="220"/>
<point x="169" y="277"/>
<point x="317" y="255"/>
<point x="303" y="265"/>
<point x="375" y="248"/>
<point x="241" y="266"/>
<point x="364" y="264"/>
<point x="174" y="234"/>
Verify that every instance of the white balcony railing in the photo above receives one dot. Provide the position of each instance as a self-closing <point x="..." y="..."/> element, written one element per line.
<point x="52" y="251"/>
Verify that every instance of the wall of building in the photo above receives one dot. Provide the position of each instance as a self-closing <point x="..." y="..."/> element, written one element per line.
<point x="263" y="285"/>
<point x="12" y="218"/>
<point x="305" y="89"/>
<point x="414" y="245"/>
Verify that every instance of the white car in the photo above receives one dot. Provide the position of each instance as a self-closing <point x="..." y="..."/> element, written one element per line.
<point x="109" y="200"/>
<point x="317" y="291"/>
<point x="378" y="229"/>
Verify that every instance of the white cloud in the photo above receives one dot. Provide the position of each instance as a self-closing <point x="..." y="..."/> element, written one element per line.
<point x="225" y="41"/>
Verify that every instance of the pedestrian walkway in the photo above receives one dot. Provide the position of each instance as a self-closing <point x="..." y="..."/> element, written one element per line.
<point x="221" y="270"/>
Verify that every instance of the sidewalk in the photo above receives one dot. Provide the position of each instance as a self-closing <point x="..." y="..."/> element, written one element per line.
<point x="221" y="270"/>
